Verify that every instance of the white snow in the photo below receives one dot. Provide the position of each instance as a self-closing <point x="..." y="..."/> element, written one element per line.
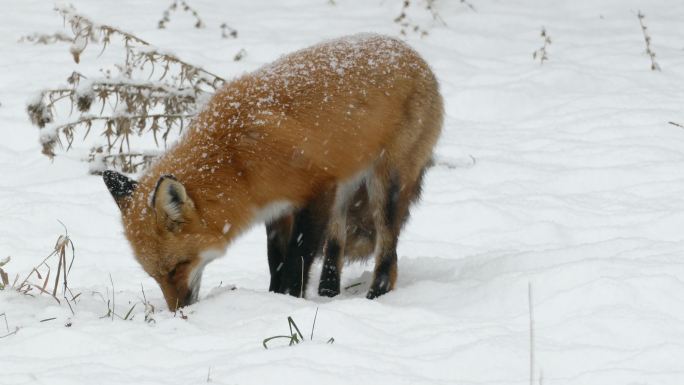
<point x="564" y="175"/>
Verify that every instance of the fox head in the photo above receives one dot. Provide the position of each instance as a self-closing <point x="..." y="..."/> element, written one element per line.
<point x="169" y="239"/>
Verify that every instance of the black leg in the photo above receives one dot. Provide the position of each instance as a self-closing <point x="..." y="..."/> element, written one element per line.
<point x="278" y="236"/>
<point x="330" y="275"/>
<point x="305" y="240"/>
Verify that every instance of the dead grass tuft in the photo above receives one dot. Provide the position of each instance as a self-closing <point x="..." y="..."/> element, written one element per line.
<point x="295" y="337"/>
<point x="41" y="279"/>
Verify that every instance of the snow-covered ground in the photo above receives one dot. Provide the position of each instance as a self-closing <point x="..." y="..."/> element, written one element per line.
<point x="566" y="176"/>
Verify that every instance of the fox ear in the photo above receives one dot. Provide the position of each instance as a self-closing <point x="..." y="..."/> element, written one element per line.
<point x="171" y="201"/>
<point x="120" y="186"/>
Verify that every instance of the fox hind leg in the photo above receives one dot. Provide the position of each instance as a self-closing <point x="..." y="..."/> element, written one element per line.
<point x="336" y="234"/>
<point x="390" y="197"/>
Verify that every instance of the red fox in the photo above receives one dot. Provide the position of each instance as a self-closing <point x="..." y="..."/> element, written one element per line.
<point x="296" y="144"/>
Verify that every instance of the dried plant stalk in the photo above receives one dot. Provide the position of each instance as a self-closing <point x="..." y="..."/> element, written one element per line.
<point x="541" y="52"/>
<point x="154" y="92"/>
<point x="647" y="41"/>
<point x="7" y="328"/>
<point x="39" y="277"/>
<point x="407" y="25"/>
<point x="176" y="5"/>
<point x="228" y="32"/>
<point x="468" y="4"/>
<point x="4" y="277"/>
<point x="126" y="162"/>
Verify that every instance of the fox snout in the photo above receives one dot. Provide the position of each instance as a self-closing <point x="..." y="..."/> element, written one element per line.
<point x="177" y="298"/>
<point x="181" y="285"/>
<point x="181" y="298"/>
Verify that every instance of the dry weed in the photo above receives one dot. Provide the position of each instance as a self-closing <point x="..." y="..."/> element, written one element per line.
<point x="153" y="92"/>
<point x="541" y="52"/>
<point x="647" y="41"/>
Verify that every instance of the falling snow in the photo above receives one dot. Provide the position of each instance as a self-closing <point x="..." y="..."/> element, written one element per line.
<point x="566" y="176"/>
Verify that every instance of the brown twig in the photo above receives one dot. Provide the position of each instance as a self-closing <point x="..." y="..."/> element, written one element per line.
<point x="9" y="333"/>
<point x="228" y="32"/>
<point x="175" y="5"/>
<point x="541" y="52"/>
<point x="407" y="25"/>
<point x="647" y="41"/>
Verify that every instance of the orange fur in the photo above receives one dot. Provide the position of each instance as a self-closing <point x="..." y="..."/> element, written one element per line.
<point x="284" y="133"/>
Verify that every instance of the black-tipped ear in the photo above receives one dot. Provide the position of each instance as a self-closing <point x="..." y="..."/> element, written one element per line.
<point x="171" y="200"/>
<point x="120" y="186"/>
